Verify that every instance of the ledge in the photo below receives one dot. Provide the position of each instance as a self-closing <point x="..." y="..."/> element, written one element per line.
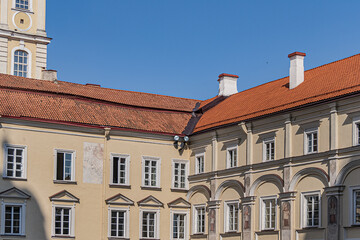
<point x="114" y="185"/>
<point x="308" y="229"/>
<point x="118" y="238"/>
<point x="71" y="237"/>
<point x="22" y="10"/>
<point x="267" y="232"/>
<point x="352" y="226"/>
<point x="150" y="188"/>
<point x="65" y="182"/>
<point x="198" y="235"/>
<point x="179" y="190"/>
<point x="15" y="178"/>
<point x="230" y="234"/>
<point x="12" y="236"/>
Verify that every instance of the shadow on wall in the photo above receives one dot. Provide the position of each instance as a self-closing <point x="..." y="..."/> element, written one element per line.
<point x="16" y="197"/>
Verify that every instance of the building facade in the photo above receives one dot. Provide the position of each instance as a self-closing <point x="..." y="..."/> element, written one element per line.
<point x="278" y="161"/>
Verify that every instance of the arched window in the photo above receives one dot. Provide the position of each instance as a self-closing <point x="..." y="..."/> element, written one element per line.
<point x="22" y="4"/>
<point x="21" y="63"/>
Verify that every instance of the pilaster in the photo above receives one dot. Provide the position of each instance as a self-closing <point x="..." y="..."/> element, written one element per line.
<point x="3" y="55"/>
<point x="41" y="14"/>
<point x="333" y="127"/>
<point x="41" y="59"/>
<point x="334" y="203"/>
<point x="214" y="218"/>
<point x="214" y="143"/>
<point x="4" y="14"/>
<point x="287" y="214"/>
<point x="248" y="217"/>
<point x="288" y="134"/>
<point x="249" y="144"/>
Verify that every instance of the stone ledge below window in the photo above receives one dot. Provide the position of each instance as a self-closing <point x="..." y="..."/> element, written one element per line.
<point x="230" y="234"/>
<point x="114" y="185"/>
<point x="15" y="178"/>
<point x="150" y="188"/>
<point x="7" y="236"/>
<point x="183" y="190"/>
<point x="198" y="235"/>
<point x="65" y="182"/>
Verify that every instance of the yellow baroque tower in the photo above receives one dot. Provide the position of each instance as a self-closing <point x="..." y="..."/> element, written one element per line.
<point x="23" y="39"/>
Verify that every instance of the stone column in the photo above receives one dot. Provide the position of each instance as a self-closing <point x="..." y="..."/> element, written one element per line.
<point x="334" y="199"/>
<point x="248" y="217"/>
<point x="213" y="219"/>
<point x="287" y="215"/>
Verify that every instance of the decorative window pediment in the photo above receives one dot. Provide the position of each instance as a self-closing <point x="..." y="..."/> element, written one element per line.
<point x="14" y="193"/>
<point x="119" y="199"/>
<point x="179" y="203"/>
<point x="150" y="201"/>
<point x="64" y="196"/>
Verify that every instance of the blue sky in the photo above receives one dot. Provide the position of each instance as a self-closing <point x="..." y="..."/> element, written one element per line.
<point x="179" y="47"/>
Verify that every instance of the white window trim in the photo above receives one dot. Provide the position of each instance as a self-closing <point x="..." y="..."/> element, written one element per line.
<point x="23" y="10"/>
<point x="72" y="220"/>
<point x="265" y="141"/>
<point x="186" y="173"/>
<point x="127" y="221"/>
<point x="303" y="207"/>
<point x="21" y="48"/>
<point x="194" y="211"/>
<point x="24" y="174"/>
<point x="23" y="217"/>
<point x="228" y="160"/>
<point x="355" y="134"/>
<point x="196" y="165"/>
<point x="226" y="215"/>
<point x="306" y="145"/>
<point x="127" y="168"/>
<point x="352" y="204"/>
<point x="73" y="152"/>
<point x="158" y="171"/>
<point x="187" y="222"/>
<point x="262" y="212"/>
<point x="157" y="222"/>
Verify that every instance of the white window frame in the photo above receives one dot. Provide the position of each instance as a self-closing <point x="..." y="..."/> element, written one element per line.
<point x="229" y="161"/>
<point x="356" y="126"/>
<point x="24" y="164"/>
<point x="22" y="218"/>
<point x="126" y="221"/>
<point x="157" y="223"/>
<point x="186" y="224"/>
<point x="73" y="154"/>
<point x="197" y="170"/>
<point x="265" y="142"/>
<point x="306" y="143"/>
<point x="186" y="162"/>
<point x="195" y="218"/>
<point x="21" y="9"/>
<point x="226" y="216"/>
<point x="303" y="208"/>
<point x="262" y="212"/>
<point x="21" y="48"/>
<point x="352" y="212"/>
<point x="127" y="168"/>
<point x="158" y="171"/>
<point x="72" y="220"/>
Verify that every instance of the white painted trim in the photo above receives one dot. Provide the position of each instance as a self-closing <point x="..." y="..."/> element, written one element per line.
<point x="186" y="162"/>
<point x="21" y="48"/>
<point x="73" y="155"/>
<point x="202" y="154"/>
<point x="126" y="222"/>
<point x="194" y="211"/>
<point x="158" y="171"/>
<point x="157" y="222"/>
<point x="13" y="20"/>
<point x="310" y="131"/>
<point x="127" y="168"/>
<point x="264" y="142"/>
<point x="226" y="215"/>
<point x="262" y="212"/>
<point x="303" y="207"/>
<point x="352" y="204"/>
<point x="23" y="10"/>
<point x="24" y="172"/>
<point x="228" y="160"/>
<point x="356" y="121"/>
<point x="186" y="223"/>
<point x="72" y="219"/>
<point x="22" y="217"/>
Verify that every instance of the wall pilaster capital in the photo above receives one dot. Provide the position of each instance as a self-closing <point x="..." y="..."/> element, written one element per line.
<point x="248" y="200"/>
<point x="287" y="196"/>
<point x="334" y="190"/>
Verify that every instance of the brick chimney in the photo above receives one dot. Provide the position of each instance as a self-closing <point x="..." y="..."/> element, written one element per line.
<point x="296" y="73"/>
<point x="227" y="84"/>
<point x="49" y="75"/>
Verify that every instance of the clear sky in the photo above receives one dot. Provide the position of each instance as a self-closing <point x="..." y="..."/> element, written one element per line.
<point x="179" y="47"/>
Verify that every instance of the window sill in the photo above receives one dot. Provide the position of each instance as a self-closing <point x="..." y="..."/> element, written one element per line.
<point x="198" y="235"/>
<point x="230" y="234"/>
<point x="14" y="178"/>
<point x="353" y="226"/>
<point x="22" y="10"/>
<point x="65" y="182"/>
<point x="118" y="238"/>
<point x="12" y="236"/>
<point x="267" y="231"/>
<point x="58" y="236"/>
<point x="150" y="188"/>
<point x="183" y="190"/>
<point x="114" y="185"/>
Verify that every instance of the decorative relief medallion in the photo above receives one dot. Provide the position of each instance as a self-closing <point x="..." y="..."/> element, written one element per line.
<point x="22" y="21"/>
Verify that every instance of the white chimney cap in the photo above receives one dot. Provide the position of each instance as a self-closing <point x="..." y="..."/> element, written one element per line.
<point x="227" y="84"/>
<point x="296" y="72"/>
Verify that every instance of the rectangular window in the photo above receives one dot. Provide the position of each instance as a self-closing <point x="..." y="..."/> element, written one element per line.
<point x="64" y="166"/>
<point x="118" y="223"/>
<point x="62" y="221"/>
<point x="149" y="225"/>
<point x="356" y="131"/>
<point x="14" y="162"/>
<point x="268" y="211"/>
<point x="269" y="149"/>
<point x="200" y="219"/>
<point x="22" y="4"/>
<point x="356" y="206"/>
<point x="311" y="141"/>
<point x="311" y="206"/>
<point x="151" y="172"/>
<point x="200" y="163"/>
<point x="231" y="157"/>
<point x="120" y="169"/>
<point x="232" y="216"/>
<point x="179" y="225"/>
<point x="12" y="220"/>
<point x="180" y="170"/>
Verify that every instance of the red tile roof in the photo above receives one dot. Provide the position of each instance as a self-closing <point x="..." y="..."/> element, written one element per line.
<point x="322" y="83"/>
